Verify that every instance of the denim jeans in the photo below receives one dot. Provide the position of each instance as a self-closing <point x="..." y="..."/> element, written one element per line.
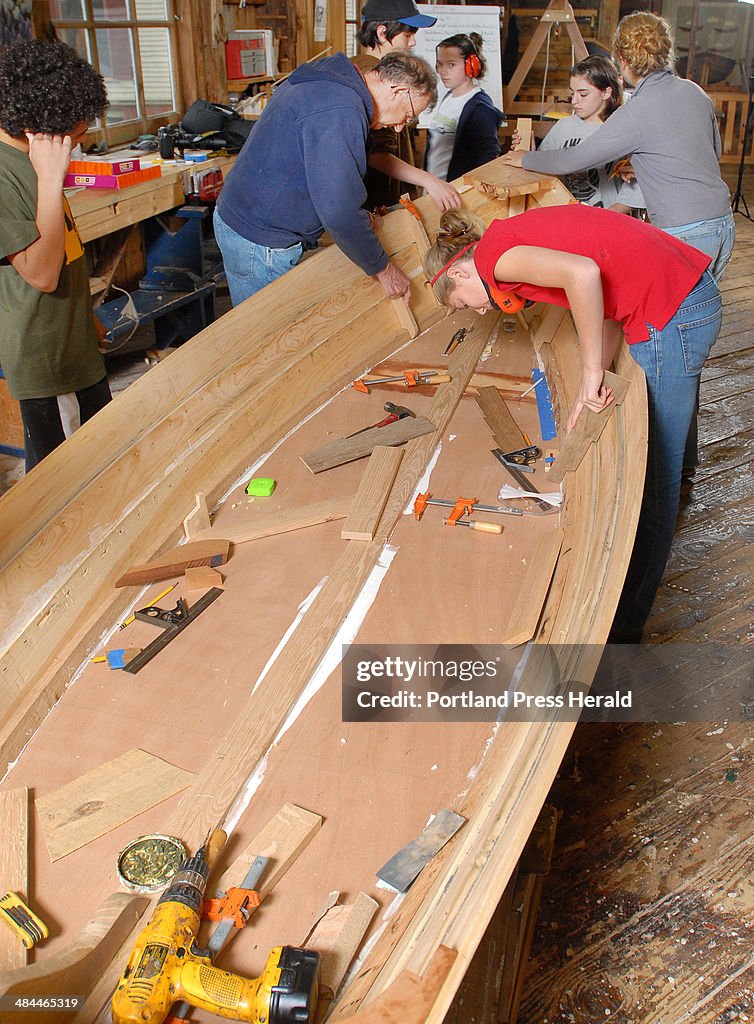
<point x="672" y="361"/>
<point x="715" y="238"/>
<point x="249" y="266"/>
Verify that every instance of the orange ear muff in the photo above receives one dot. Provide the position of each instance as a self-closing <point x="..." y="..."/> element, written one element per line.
<point x="508" y="302"/>
<point x="472" y="66"/>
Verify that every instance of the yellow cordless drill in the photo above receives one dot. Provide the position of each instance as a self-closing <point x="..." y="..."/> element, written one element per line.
<point x="166" y="967"/>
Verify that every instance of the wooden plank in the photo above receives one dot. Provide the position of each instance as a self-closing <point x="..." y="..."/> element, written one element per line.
<point x="201" y="577"/>
<point x="282" y="840"/>
<point x="588" y="429"/>
<point x="348" y="449"/>
<point x="533" y="591"/>
<point x="504" y="181"/>
<point x="176" y="561"/>
<point x="507" y="433"/>
<point x="14" y="867"/>
<point x="197" y="521"/>
<point x="372" y="494"/>
<point x="337" y="937"/>
<point x="76" y="968"/>
<point x="410" y="997"/>
<point x="404" y="317"/>
<point x="402" y="868"/>
<point x="104" y="798"/>
<point x="270" y="524"/>
<point x="524" y="126"/>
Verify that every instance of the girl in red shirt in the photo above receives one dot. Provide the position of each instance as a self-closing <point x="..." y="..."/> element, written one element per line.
<point x="616" y="275"/>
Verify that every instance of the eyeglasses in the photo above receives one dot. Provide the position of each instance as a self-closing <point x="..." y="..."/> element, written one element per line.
<point x="411" y="122"/>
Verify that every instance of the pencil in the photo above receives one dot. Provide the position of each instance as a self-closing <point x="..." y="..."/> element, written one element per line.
<point x="525" y="393"/>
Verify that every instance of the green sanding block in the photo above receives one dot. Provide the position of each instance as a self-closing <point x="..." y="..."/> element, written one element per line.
<point x="260" y="486"/>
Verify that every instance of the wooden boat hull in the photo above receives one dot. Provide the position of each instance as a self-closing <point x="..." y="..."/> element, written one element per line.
<point x="116" y="493"/>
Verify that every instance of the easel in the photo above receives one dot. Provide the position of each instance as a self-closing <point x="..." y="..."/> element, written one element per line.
<point x="558" y="12"/>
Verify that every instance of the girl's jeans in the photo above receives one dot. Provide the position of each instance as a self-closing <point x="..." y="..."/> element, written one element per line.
<point x="672" y="361"/>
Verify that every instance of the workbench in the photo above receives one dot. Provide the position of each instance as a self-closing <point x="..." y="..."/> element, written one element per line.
<point x="100" y="211"/>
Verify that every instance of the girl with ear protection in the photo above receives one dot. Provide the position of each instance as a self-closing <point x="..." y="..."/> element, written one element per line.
<point x="463" y="129"/>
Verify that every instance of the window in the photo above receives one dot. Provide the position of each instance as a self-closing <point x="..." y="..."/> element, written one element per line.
<point x="132" y="44"/>
<point x="352" y="28"/>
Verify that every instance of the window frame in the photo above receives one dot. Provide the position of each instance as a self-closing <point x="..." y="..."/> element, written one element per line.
<point x="125" y="131"/>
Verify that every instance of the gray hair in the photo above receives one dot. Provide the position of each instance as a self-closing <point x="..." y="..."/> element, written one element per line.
<point x="399" y="67"/>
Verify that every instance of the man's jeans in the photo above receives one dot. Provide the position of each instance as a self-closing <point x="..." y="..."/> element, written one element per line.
<point x="249" y="266"/>
<point x="672" y="361"/>
<point x="715" y="238"/>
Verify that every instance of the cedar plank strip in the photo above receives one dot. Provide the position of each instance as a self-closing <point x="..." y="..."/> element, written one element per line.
<point x="100" y="800"/>
<point x="14" y="868"/>
<point x="348" y="449"/>
<point x="410" y="997"/>
<point x="338" y="954"/>
<point x="588" y="429"/>
<point x="270" y="524"/>
<point x="507" y="433"/>
<point x="176" y="561"/>
<point x="283" y="839"/>
<point x="372" y="494"/>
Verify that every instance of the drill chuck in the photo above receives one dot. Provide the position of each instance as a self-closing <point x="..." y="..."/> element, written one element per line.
<point x="189" y="884"/>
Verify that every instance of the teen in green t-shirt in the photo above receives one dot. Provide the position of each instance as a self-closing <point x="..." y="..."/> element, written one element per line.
<point x="48" y="344"/>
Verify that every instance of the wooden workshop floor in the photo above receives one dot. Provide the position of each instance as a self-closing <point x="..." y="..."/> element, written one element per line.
<point x="648" y="914"/>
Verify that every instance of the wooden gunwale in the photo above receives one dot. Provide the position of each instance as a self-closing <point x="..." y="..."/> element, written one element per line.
<point x="244" y="388"/>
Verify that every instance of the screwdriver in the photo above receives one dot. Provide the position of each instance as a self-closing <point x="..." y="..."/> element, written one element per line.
<point x="474" y="524"/>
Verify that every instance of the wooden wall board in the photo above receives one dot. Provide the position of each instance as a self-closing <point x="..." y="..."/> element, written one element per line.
<point x="101" y="799"/>
<point x="348" y="449"/>
<point x="14" y="867"/>
<point x="372" y="494"/>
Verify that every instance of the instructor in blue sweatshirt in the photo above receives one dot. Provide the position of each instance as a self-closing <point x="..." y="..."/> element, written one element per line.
<point x="301" y="171"/>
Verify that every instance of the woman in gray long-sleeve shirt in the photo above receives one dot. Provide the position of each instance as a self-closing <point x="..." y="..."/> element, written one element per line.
<point x="670" y="132"/>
